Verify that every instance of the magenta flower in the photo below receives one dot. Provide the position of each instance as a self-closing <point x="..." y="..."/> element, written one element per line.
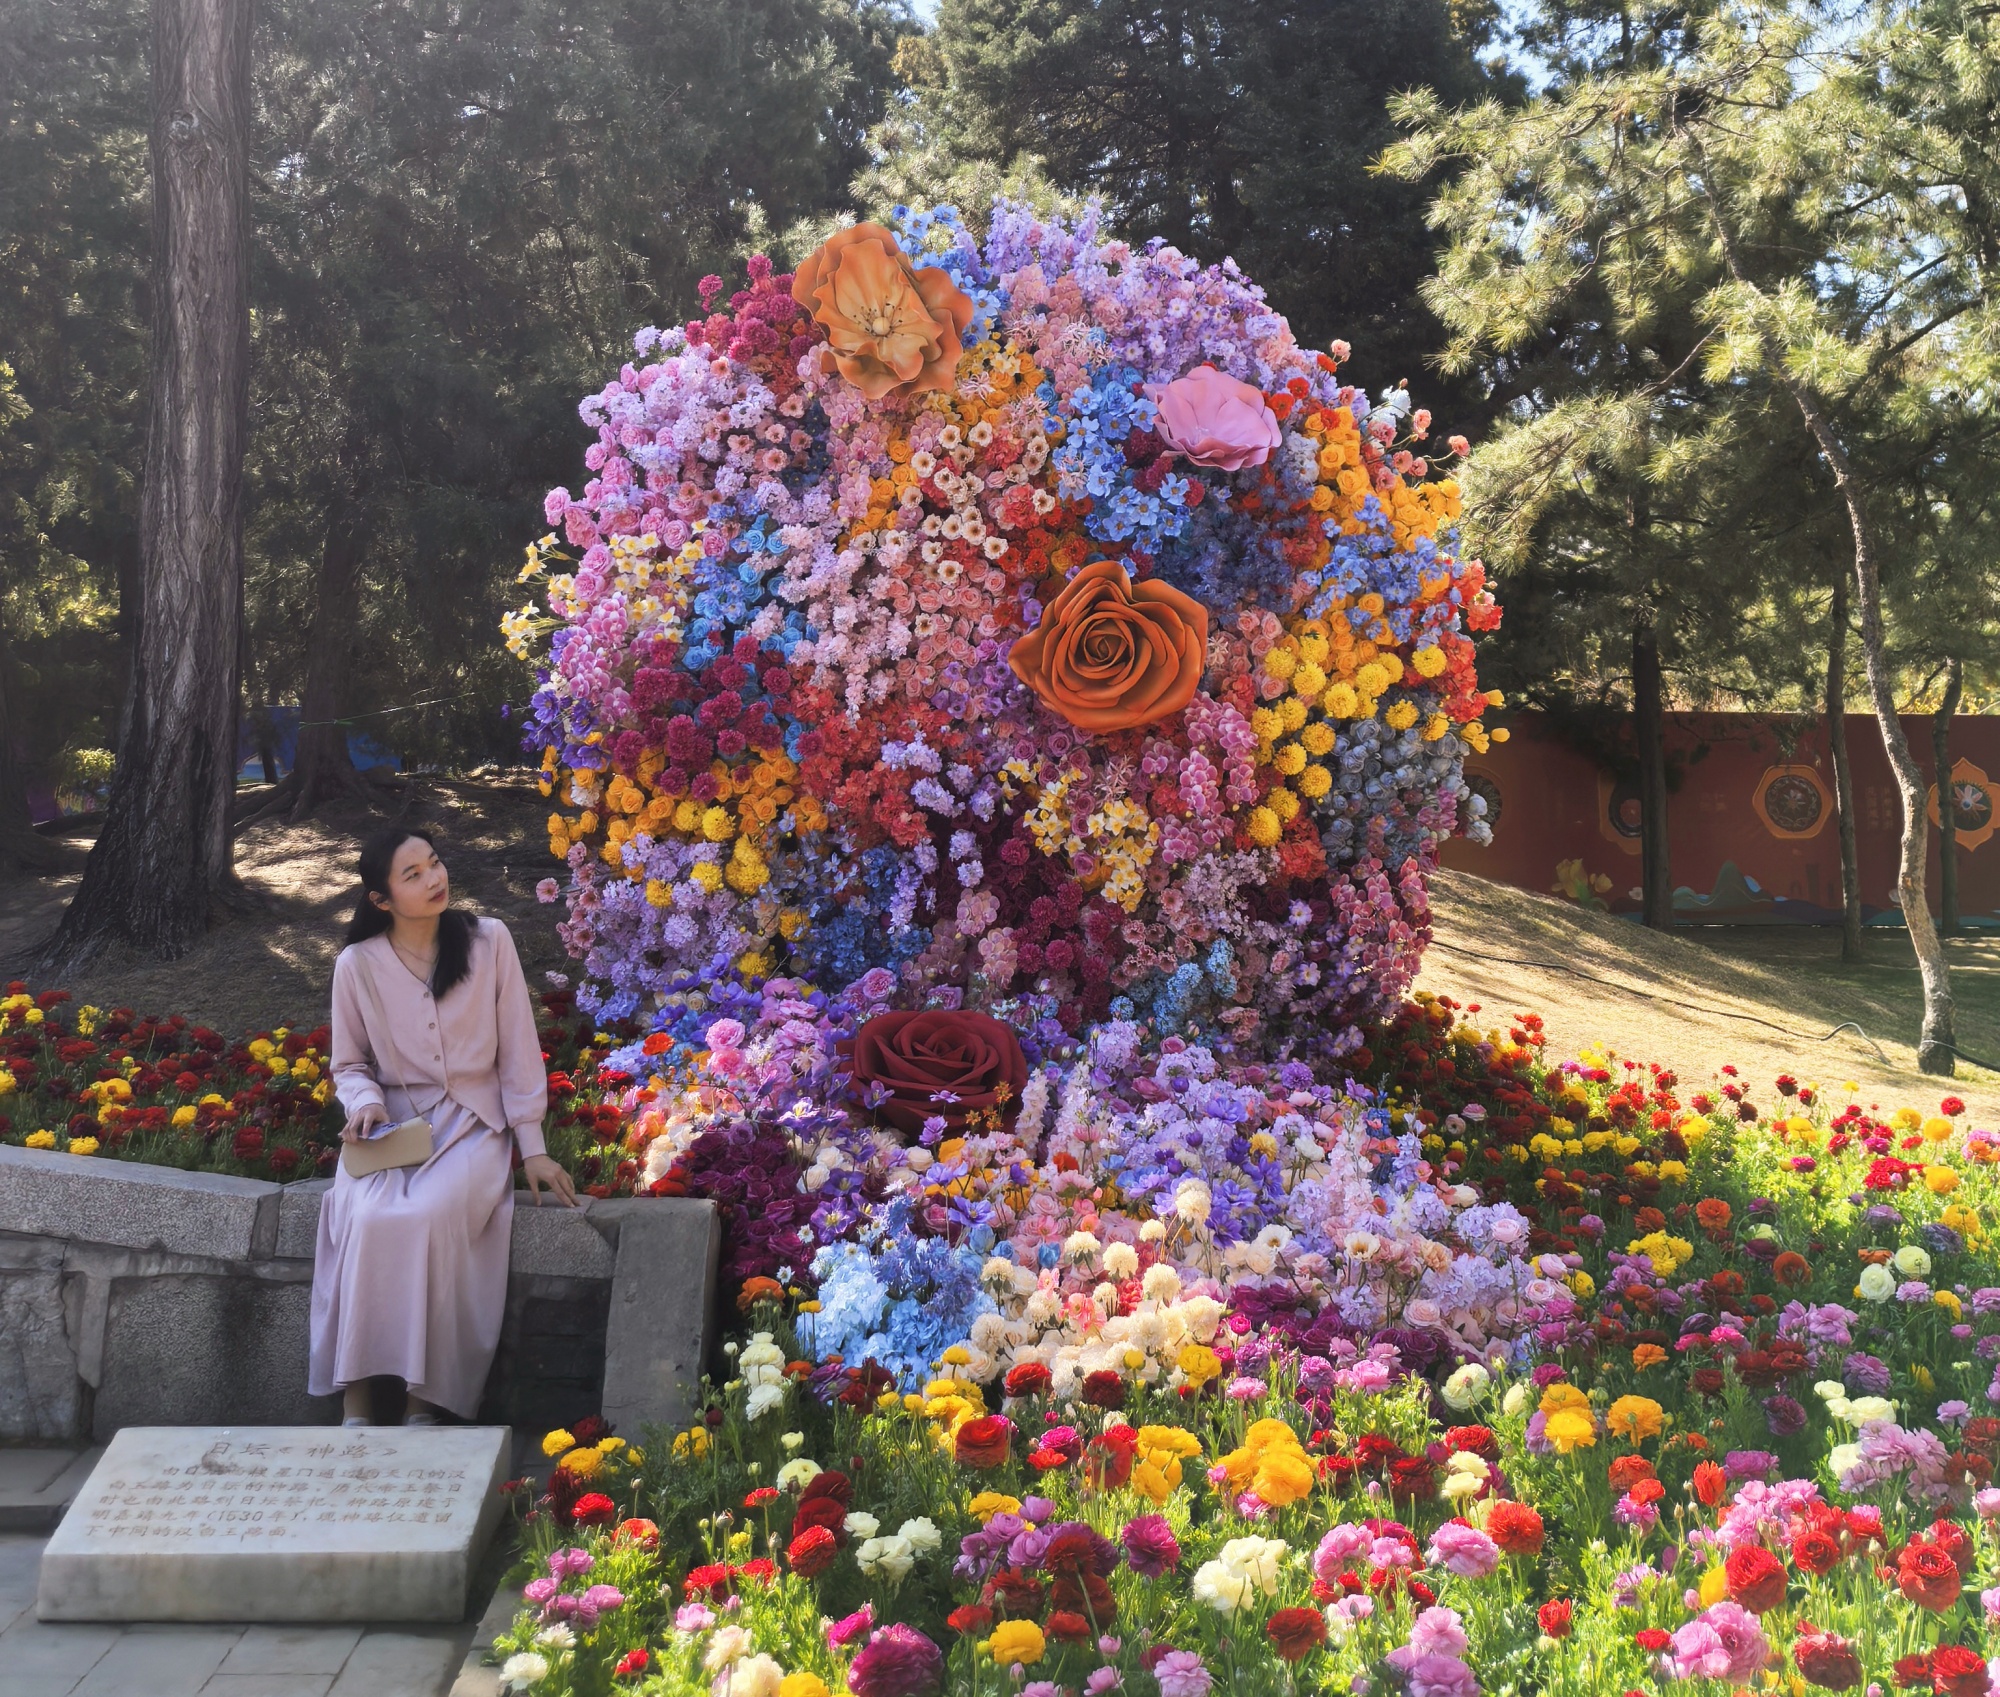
<point x="850" y="1629"/>
<point x="1150" y="1546"/>
<point x="899" y="1661"/>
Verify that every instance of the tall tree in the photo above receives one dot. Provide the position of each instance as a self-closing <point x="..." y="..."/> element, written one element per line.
<point x="1843" y="775"/>
<point x="164" y="852"/>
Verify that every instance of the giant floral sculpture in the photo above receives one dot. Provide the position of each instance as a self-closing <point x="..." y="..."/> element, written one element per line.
<point x="1003" y="699"/>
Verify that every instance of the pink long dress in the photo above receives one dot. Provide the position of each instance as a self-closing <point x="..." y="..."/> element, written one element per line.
<point x="410" y="1276"/>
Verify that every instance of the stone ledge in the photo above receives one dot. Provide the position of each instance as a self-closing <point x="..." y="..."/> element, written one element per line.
<point x="132" y="1206"/>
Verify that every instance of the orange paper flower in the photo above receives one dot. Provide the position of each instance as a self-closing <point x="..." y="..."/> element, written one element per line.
<point x="1111" y="654"/>
<point x="891" y="328"/>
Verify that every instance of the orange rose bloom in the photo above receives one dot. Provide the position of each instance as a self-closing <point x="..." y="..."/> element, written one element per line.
<point x="892" y="328"/>
<point x="1111" y="654"/>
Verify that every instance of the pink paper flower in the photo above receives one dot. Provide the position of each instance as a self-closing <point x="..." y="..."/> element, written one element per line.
<point x="1214" y="420"/>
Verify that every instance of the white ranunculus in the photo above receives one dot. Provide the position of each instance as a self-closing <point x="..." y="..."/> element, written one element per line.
<point x="1877" y="1283"/>
<point x="517" y="1673"/>
<point x="1220" y="1588"/>
<point x="1466" y="1385"/>
<point x="862" y="1525"/>
<point x="1913" y="1261"/>
<point x="886" y="1558"/>
<point x="922" y="1533"/>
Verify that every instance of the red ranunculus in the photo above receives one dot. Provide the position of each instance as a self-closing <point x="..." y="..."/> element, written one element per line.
<point x="1104" y="1389"/>
<point x="1296" y="1633"/>
<point x="1709" y="1483"/>
<point x="1814" y="1552"/>
<point x="631" y="1664"/>
<point x="1958" y="1672"/>
<point x="945" y="1064"/>
<point x="1927" y="1576"/>
<point x="1756" y="1578"/>
<point x="984" y="1443"/>
<point x="1031" y="1378"/>
<point x="811" y="1552"/>
<point x="1515" y="1527"/>
<point x="969" y="1620"/>
<point x="1067" y="1628"/>
<point x="1950" y="1537"/>
<point x="1826" y="1659"/>
<point x="1652" y="1638"/>
<point x="594" y="1508"/>
<point x="827" y="1513"/>
<point x="1913" y="1672"/>
<point x="1554" y="1617"/>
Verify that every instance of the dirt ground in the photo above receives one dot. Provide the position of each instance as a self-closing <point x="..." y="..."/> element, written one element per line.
<point x="1765" y="999"/>
<point x="274" y="965"/>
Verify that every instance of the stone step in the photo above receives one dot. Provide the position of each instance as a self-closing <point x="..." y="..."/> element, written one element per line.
<point x="38" y="1483"/>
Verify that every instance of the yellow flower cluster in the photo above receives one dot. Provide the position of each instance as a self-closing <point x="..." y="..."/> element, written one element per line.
<point x="21" y="1010"/>
<point x="1666" y="1253"/>
<point x="1272" y="1462"/>
<point x="1120" y="837"/>
<point x="1156" y="1467"/>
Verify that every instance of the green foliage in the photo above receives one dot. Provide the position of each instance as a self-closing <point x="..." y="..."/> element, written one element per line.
<point x="460" y="214"/>
<point x="1241" y="131"/>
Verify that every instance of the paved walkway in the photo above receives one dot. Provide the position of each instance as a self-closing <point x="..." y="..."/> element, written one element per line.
<point x="66" y="1659"/>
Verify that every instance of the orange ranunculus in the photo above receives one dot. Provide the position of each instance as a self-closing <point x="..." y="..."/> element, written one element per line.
<point x="1646" y="1355"/>
<point x="1712" y="1214"/>
<point x="891" y="327"/>
<point x="983" y="1442"/>
<point x="1111" y="654"/>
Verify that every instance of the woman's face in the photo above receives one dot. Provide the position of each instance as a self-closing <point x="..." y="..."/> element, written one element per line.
<point x="418" y="885"/>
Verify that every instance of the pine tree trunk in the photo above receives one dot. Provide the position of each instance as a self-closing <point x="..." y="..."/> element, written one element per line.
<point x="1954" y="688"/>
<point x="165" y="847"/>
<point x="1649" y="725"/>
<point x="1843" y="779"/>
<point x="1937" y="1050"/>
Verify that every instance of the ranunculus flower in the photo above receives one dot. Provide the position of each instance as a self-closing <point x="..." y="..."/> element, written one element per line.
<point x="1214" y="420"/>
<point x="1296" y="1633"/>
<point x="1151" y="1548"/>
<point x="1515" y="1527"/>
<point x="1756" y="1578"/>
<point x="1554" y="1617"/>
<point x="984" y="1442"/>
<point x="899" y="1661"/>
<point x="1959" y="1672"/>
<point x="891" y="327"/>
<point x="811" y="1551"/>
<point x="1927" y="1575"/>
<point x="1826" y="1659"/>
<point x="1111" y="654"/>
<point x="946" y="1052"/>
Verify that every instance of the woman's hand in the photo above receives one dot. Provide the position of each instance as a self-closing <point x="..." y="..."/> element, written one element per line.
<point x="541" y="1170"/>
<point x="363" y="1121"/>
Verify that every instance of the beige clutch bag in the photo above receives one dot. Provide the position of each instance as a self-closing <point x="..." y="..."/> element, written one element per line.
<point x="405" y="1145"/>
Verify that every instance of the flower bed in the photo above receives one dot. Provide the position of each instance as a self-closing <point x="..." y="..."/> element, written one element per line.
<point x="1740" y="1434"/>
<point x="165" y="1090"/>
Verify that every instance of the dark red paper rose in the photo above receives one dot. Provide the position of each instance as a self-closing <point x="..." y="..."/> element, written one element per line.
<point x="1756" y="1578"/>
<point x="1927" y="1576"/>
<point x="942" y="1064"/>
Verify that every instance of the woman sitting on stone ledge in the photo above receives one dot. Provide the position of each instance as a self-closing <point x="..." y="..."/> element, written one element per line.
<point x="431" y="1020"/>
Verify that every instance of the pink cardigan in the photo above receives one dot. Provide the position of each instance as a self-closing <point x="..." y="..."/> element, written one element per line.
<point x="478" y="1044"/>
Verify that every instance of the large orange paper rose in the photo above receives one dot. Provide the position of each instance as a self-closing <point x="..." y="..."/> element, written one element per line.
<point x="892" y="328"/>
<point x="1111" y="654"/>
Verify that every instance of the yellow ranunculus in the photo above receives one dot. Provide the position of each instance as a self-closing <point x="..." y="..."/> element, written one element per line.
<point x="1940" y="1181"/>
<point x="1198" y="1364"/>
<point x="1283" y="1477"/>
<point x="40" y="1140"/>
<point x="1634" y="1418"/>
<point x="987" y="1504"/>
<point x="1562" y="1395"/>
<point x="558" y="1441"/>
<point x="802" y="1684"/>
<point x="1570" y="1429"/>
<point x="1714" y="1587"/>
<point x="83" y="1146"/>
<point x="1016" y="1641"/>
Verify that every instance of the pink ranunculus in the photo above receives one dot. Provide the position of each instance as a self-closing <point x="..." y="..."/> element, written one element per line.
<point x="1214" y="420"/>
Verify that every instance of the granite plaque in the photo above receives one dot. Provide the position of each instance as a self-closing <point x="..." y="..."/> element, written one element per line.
<point x="278" y="1523"/>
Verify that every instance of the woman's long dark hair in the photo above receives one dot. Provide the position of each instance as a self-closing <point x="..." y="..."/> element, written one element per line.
<point x="378" y="855"/>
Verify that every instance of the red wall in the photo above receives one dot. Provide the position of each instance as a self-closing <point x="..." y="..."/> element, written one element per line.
<point x="1752" y="830"/>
